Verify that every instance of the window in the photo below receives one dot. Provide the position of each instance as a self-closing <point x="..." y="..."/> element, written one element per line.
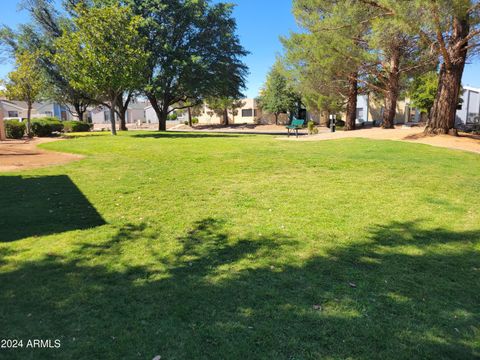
<point x="106" y="115"/>
<point x="247" y="113"/>
<point x="255" y="112"/>
<point x="13" y="114"/>
<point x="48" y="113"/>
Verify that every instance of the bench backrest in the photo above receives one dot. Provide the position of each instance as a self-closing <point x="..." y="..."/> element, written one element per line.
<point x="297" y="122"/>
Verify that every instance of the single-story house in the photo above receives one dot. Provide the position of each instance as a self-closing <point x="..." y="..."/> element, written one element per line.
<point x="370" y="108"/>
<point x="249" y="113"/>
<point x="18" y="110"/>
<point x="135" y="113"/>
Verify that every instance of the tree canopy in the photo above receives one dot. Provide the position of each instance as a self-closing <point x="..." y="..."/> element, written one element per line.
<point x="103" y="54"/>
<point x="277" y="95"/>
<point x="26" y="82"/>
<point x="195" y="53"/>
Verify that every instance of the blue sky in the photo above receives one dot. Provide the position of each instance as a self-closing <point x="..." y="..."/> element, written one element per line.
<point x="260" y="24"/>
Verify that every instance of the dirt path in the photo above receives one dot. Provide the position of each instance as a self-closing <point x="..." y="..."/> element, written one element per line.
<point x="464" y="142"/>
<point x="24" y="154"/>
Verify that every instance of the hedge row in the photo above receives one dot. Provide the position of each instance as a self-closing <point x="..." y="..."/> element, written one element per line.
<point x="44" y="127"/>
<point x="14" y="129"/>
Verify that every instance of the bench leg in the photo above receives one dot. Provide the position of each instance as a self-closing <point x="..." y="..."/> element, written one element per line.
<point x="296" y="133"/>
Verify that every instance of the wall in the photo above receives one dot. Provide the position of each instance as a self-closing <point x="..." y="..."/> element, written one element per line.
<point x="247" y="114"/>
<point x="470" y="108"/>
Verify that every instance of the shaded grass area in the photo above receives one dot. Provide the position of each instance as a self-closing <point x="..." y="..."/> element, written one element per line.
<point x="246" y="247"/>
<point x="43" y="205"/>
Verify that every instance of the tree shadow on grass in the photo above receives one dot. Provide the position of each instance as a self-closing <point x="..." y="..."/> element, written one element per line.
<point x="43" y="205"/>
<point x="403" y="292"/>
<point x="184" y="135"/>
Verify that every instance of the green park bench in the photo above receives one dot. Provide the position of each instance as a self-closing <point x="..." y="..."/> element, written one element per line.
<point x="295" y="125"/>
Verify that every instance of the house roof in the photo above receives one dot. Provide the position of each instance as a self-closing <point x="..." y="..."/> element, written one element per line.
<point x="22" y="105"/>
<point x="138" y="105"/>
<point x="471" y="88"/>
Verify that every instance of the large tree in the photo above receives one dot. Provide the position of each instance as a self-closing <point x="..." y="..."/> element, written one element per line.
<point x="453" y="31"/>
<point x="26" y="82"/>
<point x="39" y="37"/>
<point x="347" y="43"/>
<point x="195" y="53"/>
<point x="277" y="96"/>
<point x="326" y="57"/>
<point x="450" y="29"/>
<point x="103" y="54"/>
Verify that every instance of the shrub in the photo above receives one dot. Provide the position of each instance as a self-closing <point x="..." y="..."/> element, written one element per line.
<point x="194" y="120"/>
<point x="76" y="126"/>
<point x="14" y="129"/>
<point x="172" y="116"/>
<point x="310" y="126"/>
<point x="44" y="127"/>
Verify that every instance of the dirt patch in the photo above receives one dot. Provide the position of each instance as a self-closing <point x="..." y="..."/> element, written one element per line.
<point x="24" y="154"/>
<point x="464" y="142"/>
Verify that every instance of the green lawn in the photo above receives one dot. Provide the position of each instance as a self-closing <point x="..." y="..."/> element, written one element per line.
<point x="197" y="246"/>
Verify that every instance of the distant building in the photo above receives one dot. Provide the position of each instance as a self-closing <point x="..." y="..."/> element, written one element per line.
<point x="18" y="110"/>
<point x="371" y="108"/>
<point x="468" y="112"/>
<point x="135" y="113"/>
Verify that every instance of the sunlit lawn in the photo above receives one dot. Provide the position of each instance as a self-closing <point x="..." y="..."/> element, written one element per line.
<point x="197" y="246"/>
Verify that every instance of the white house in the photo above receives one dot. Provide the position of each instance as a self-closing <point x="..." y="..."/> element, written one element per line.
<point x="19" y="109"/>
<point x="135" y="113"/>
<point x="468" y="112"/>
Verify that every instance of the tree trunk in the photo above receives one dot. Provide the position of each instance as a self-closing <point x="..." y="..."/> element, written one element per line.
<point x="3" y="134"/>
<point x="79" y="110"/>
<point x="276" y="119"/>
<point x="393" y="89"/>
<point x="225" y="117"/>
<point x="352" y="103"/>
<point x="324" y="121"/>
<point x="112" y="119"/>
<point x="160" y="112"/>
<point x="81" y="115"/>
<point x="190" y="117"/>
<point x="122" y="111"/>
<point x="123" y="122"/>
<point x="442" y="118"/>
<point x="443" y="112"/>
<point x="29" y="123"/>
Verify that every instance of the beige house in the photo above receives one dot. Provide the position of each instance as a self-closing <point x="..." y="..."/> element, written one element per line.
<point x="247" y="114"/>
<point x="371" y="108"/>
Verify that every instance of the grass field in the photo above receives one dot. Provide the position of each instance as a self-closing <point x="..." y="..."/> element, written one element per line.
<point x="194" y="246"/>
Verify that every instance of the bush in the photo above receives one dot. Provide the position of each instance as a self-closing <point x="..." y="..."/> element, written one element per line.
<point x="194" y="120"/>
<point x="76" y="126"/>
<point x="172" y="116"/>
<point x="310" y="126"/>
<point x="14" y="129"/>
<point x="44" y="127"/>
